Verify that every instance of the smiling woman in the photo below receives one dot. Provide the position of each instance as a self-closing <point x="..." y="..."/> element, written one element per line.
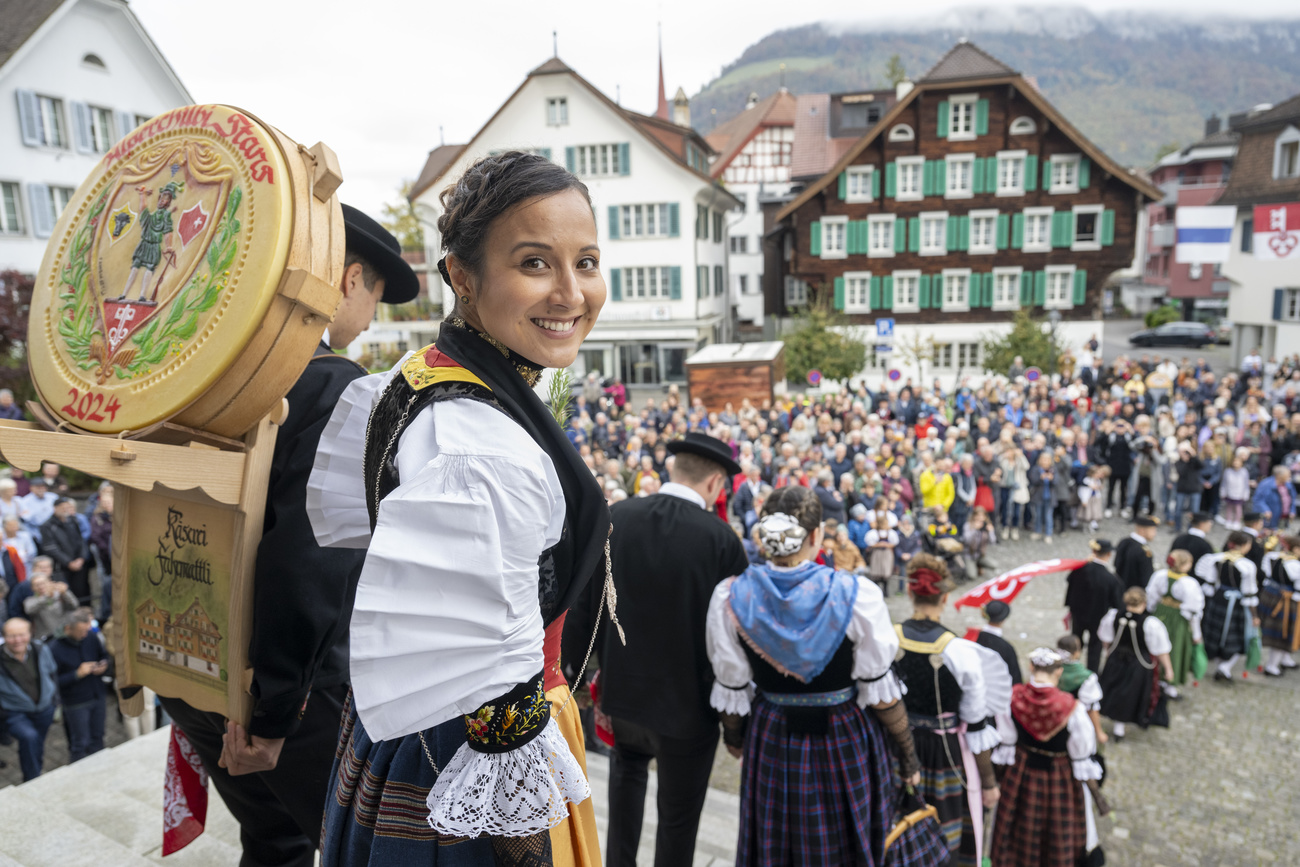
<point x="482" y="526"/>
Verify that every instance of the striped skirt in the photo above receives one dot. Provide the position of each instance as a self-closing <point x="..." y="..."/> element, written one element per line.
<point x="942" y="786"/>
<point x="1278" y="612"/>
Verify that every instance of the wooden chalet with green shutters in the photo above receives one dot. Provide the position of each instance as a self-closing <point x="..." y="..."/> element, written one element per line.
<point x="970" y="199"/>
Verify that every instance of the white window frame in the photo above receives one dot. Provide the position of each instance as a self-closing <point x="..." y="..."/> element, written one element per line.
<point x="940" y="249"/>
<point x="954" y="160"/>
<point x="648" y="212"/>
<point x="16" y="227"/>
<point x="879" y="220"/>
<point x="991" y="215"/>
<point x="60" y="198"/>
<point x="862" y="280"/>
<point x="1291" y="305"/>
<point x="557" y="111"/>
<point x="1014" y="274"/>
<point x="796" y="292"/>
<point x="53" y="121"/>
<point x="919" y="194"/>
<point x="101" y="129"/>
<point x="1057" y="161"/>
<point x="1095" y="244"/>
<point x="1024" y="125"/>
<point x="1066" y="303"/>
<point x="862" y="176"/>
<point x="1045" y="246"/>
<point x="829" y="232"/>
<point x="955" y="306"/>
<point x="655" y="283"/>
<point x="968" y="102"/>
<point x="1288" y="136"/>
<point x="902" y="132"/>
<point x="962" y="350"/>
<point x="1008" y="156"/>
<point x="902" y="305"/>
<point x="609" y="168"/>
<point x="938" y="361"/>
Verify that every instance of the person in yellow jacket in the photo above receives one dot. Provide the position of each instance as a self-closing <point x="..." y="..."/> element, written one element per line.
<point x="936" y="485"/>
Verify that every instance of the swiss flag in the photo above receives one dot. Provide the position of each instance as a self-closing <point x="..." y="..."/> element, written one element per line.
<point x="192" y="224"/>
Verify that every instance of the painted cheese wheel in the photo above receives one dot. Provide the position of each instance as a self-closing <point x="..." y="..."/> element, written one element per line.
<point x="189" y="278"/>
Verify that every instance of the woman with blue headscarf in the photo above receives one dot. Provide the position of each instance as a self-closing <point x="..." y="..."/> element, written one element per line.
<point x="802" y="658"/>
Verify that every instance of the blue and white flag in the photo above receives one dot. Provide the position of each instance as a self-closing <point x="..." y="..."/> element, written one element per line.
<point x="1204" y="234"/>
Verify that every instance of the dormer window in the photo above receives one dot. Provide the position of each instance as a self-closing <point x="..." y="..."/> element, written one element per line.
<point x="557" y="111"/>
<point x="901" y="132"/>
<point x="1286" y="154"/>
<point x="1023" y="126"/>
<point x="94" y="60"/>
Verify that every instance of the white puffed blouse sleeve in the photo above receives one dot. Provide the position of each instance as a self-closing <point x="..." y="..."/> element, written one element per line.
<point x="733" y="687"/>
<point x="1090" y="693"/>
<point x="1082" y="744"/>
<point x="1156" y="636"/>
<point x="985" y="690"/>
<point x="875" y="645"/>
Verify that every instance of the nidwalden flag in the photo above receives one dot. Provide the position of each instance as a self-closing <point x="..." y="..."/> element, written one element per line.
<point x="1277" y="231"/>
<point x="1204" y="234"/>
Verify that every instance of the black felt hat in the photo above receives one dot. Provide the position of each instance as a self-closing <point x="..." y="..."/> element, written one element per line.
<point x="1146" y="521"/>
<point x="1251" y="517"/>
<point x="1101" y="547"/>
<point x="707" y="447"/>
<point x="376" y="245"/>
<point x="1202" y="518"/>
<point x="997" y="611"/>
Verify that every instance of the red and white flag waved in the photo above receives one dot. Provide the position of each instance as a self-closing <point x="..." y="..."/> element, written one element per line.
<point x="185" y="794"/>
<point x="1008" y="585"/>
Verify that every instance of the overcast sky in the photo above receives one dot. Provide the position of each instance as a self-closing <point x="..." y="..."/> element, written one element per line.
<point x="377" y="86"/>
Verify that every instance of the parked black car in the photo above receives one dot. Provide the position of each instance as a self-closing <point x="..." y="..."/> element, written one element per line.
<point x="1195" y="334"/>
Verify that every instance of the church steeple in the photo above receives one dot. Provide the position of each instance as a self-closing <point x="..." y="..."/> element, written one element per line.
<point x="662" y="110"/>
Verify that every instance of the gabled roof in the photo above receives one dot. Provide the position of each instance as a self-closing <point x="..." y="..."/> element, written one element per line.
<point x="19" y="19"/>
<point x="436" y="163"/>
<point x="551" y="67"/>
<point x="966" y="60"/>
<point x="1279" y="115"/>
<point x="1138" y="182"/>
<point x="731" y="137"/>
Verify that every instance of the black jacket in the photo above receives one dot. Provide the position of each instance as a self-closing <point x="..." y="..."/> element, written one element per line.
<point x="69" y="655"/>
<point x="1197" y="546"/>
<point x="302" y="593"/>
<point x="1133" y="563"/>
<point x="1091" y="591"/>
<point x="61" y="540"/>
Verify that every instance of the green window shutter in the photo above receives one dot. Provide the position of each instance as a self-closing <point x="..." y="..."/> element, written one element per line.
<point x="1063" y="226"/>
<point x="928" y="173"/>
<point x="1026" y="288"/>
<point x="875" y="184"/>
<point x="982" y="117"/>
<point x="674" y="221"/>
<point x="988" y="289"/>
<point x="569" y="160"/>
<point x="864" y="238"/>
<point x="923" y="291"/>
<point x="952" y="234"/>
<point x="1040" y="288"/>
<point x="839" y="293"/>
<point x="544" y="153"/>
<point x="943" y="119"/>
<point x="1031" y="173"/>
<point x="887" y="293"/>
<point x="851" y="237"/>
<point x="1018" y="231"/>
<point x="977" y="176"/>
<point x="1085" y="172"/>
<point x="815" y="238"/>
<point x="675" y="281"/>
<point x="891" y="179"/>
<point x="844" y="185"/>
<point x="616" y="284"/>
<point x="701" y="281"/>
<point x="873" y="296"/>
<point x="963" y="234"/>
<point x="1003" y="230"/>
<point x="900" y="236"/>
<point x="1107" y="227"/>
<point x="914" y="235"/>
<point x="613" y="222"/>
<point x="1047" y="173"/>
<point x="624" y="164"/>
<point x="1080" y="287"/>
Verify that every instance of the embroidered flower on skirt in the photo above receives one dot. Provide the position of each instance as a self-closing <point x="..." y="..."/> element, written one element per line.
<point x="510" y="721"/>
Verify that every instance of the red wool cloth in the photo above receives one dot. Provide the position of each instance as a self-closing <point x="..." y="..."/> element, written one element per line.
<point x="1043" y="711"/>
<point x="185" y="794"/>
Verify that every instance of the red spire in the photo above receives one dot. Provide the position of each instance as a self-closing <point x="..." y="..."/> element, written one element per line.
<point x="662" y="110"/>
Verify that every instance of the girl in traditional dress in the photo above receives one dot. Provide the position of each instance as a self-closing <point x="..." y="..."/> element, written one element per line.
<point x="1081" y="682"/>
<point x="955" y="689"/>
<point x="881" y="540"/>
<point x="802" y="657"/>
<point x="459" y="745"/>
<point x="1231" y="584"/>
<point x="1137" y="646"/>
<point x="1175" y="597"/>
<point x="1279" y="602"/>
<point x="1043" y="817"/>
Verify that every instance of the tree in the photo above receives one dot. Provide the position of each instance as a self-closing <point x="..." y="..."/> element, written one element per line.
<point x="894" y="71"/>
<point x="15" y="304"/>
<point x="813" y="345"/>
<point x="403" y="220"/>
<point x="1038" y="345"/>
<point x="1167" y="312"/>
<point x="914" y="350"/>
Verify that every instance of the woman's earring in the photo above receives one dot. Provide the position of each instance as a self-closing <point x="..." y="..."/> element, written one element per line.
<point x="464" y="299"/>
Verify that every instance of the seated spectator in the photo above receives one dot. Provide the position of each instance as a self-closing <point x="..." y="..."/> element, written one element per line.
<point x="81" y="659"/>
<point x="27" y="691"/>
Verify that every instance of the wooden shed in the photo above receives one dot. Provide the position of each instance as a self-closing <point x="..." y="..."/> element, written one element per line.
<point x="730" y="372"/>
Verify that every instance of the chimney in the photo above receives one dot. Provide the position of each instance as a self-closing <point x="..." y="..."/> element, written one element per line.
<point x="902" y="89"/>
<point x="1212" y="125"/>
<point x="753" y="100"/>
<point x="681" y="109"/>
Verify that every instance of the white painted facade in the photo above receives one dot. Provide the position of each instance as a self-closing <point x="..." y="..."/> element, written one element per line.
<point x="1251" y="299"/>
<point x="652" y="320"/>
<point x="91" y="74"/>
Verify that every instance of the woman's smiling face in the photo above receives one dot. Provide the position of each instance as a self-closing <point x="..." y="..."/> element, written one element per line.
<point x="539" y="289"/>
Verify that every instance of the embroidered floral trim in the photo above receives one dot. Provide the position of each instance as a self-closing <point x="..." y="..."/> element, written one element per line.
<point x="510" y="721"/>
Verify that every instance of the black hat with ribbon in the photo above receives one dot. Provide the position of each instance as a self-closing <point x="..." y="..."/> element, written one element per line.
<point x="709" y="448"/>
<point x="380" y="248"/>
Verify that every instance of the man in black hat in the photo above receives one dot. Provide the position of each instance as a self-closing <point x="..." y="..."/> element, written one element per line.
<point x="669" y="551"/>
<point x="1091" y="591"/>
<point x="1252" y="524"/>
<point x="273" y="775"/>
<point x="1133" y="559"/>
<point x="1195" y="541"/>
<point x="996" y="613"/>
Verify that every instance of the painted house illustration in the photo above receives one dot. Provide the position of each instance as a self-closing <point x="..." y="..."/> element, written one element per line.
<point x="189" y="640"/>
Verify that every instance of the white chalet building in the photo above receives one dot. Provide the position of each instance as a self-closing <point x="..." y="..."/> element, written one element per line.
<point x="755" y="149"/>
<point x="75" y="76"/>
<point x="661" y="219"/>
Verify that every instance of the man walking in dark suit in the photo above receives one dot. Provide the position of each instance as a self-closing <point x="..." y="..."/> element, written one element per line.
<point x="1194" y="541"/>
<point x="668" y="552"/>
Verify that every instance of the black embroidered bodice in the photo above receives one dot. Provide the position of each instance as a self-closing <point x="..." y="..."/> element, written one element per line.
<point x="837" y="675"/>
<point x="918" y="674"/>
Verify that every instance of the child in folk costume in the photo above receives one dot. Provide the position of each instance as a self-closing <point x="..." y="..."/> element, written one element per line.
<point x="1137" y="652"/>
<point x="1044" y="815"/>
<point x="1279" y="602"/>
<point x="881" y="542"/>
<point x="977" y="536"/>
<point x="1231" y="584"/>
<point x="802" y="657"/>
<point x="1090" y="496"/>
<point x="955" y="689"/>
<point x="1175" y="597"/>
<point x="1081" y="682"/>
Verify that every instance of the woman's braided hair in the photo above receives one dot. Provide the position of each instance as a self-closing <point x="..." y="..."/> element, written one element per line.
<point x="801" y="505"/>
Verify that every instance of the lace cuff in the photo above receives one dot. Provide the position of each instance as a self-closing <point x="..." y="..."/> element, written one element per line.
<point x="882" y="690"/>
<point x="518" y="793"/>
<point x="1086" y="769"/>
<point x="983" y="739"/>
<point x="1004" y="754"/>
<point x="724" y="699"/>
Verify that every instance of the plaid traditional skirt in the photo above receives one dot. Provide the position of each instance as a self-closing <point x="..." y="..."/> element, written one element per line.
<point x="1278" y="610"/>
<point x="1221" y="642"/>
<point x="1040" y="820"/>
<point x="942" y="785"/>
<point x="820" y="799"/>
